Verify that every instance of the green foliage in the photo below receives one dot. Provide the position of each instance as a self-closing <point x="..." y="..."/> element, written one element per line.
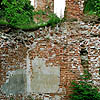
<point x="86" y="76"/>
<point x="97" y="7"/>
<point x="3" y="22"/>
<point x="84" y="90"/>
<point x="53" y="20"/>
<point x="2" y="13"/>
<point x="12" y="98"/>
<point x="1" y="9"/>
<point x="40" y="12"/>
<point x="89" y="6"/>
<point x="20" y="14"/>
<point x="92" y="7"/>
<point x="30" y="97"/>
<point x="17" y="11"/>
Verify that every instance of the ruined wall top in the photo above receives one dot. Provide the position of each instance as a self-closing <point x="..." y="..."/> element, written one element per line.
<point x="74" y="8"/>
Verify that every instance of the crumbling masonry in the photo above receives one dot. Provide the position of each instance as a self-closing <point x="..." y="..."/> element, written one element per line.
<point x="43" y="63"/>
<point x="73" y="8"/>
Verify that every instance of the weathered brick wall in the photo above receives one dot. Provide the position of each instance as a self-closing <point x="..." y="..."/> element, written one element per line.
<point x="48" y="58"/>
<point x="44" y="5"/>
<point x="74" y="8"/>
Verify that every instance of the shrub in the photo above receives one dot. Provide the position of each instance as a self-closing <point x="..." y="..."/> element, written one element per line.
<point x="89" y="6"/>
<point x="92" y="7"/>
<point x="97" y="7"/>
<point x="84" y="90"/>
<point x="53" y="19"/>
<point x="20" y="14"/>
<point x="2" y="10"/>
<point x="18" y="11"/>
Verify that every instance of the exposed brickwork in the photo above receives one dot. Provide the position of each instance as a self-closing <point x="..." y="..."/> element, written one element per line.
<point x="60" y="46"/>
<point x="44" y="5"/>
<point x="74" y="8"/>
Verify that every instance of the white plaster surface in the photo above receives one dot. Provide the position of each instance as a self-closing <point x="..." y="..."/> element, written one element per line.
<point x="44" y="79"/>
<point x="28" y="73"/>
<point x="32" y="2"/>
<point x="59" y="7"/>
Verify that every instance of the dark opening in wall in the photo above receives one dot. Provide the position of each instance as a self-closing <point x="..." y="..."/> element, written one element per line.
<point x="99" y="71"/>
<point x="83" y="51"/>
<point x="84" y="57"/>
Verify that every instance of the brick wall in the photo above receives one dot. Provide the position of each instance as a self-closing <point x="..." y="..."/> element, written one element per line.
<point x="54" y="48"/>
<point x="74" y="8"/>
<point x="44" y="5"/>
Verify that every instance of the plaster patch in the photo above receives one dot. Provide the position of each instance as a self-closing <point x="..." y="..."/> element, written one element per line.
<point x="44" y="79"/>
<point x="16" y="83"/>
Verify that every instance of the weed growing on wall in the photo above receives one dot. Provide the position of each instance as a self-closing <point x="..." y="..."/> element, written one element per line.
<point x="11" y="98"/>
<point x="84" y="90"/>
